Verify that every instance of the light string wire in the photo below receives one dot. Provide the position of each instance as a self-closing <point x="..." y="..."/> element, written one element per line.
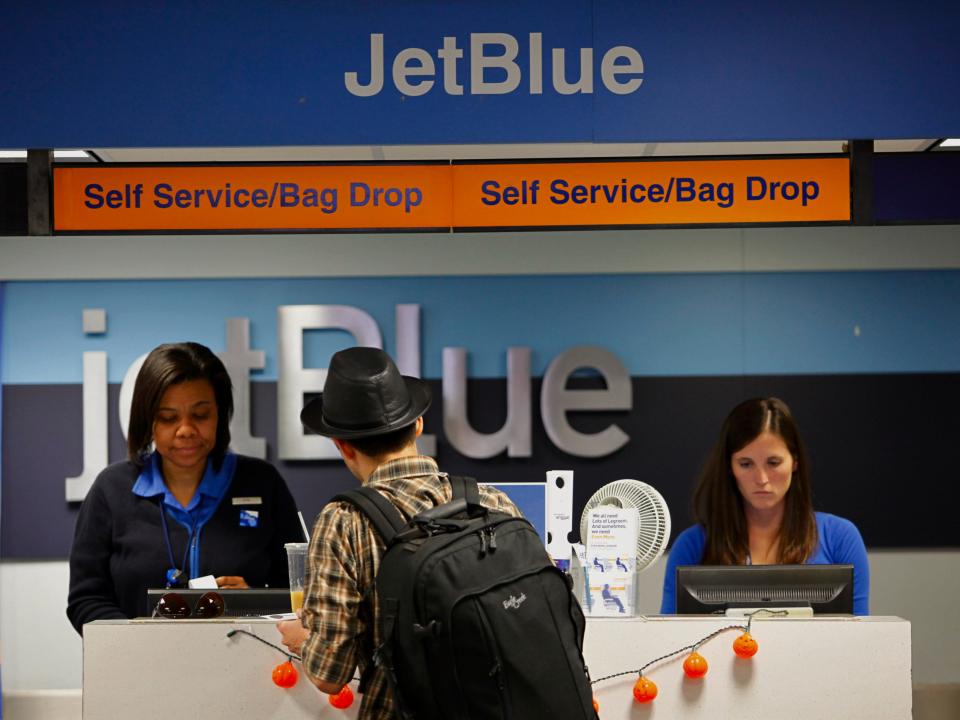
<point x="639" y="671"/>
<point x="275" y="647"/>
<point x="694" y="646"/>
<point x="265" y="642"/>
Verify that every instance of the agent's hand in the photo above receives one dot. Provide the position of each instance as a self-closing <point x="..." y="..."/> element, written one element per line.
<point x="293" y="634"/>
<point x="231" y="582"/>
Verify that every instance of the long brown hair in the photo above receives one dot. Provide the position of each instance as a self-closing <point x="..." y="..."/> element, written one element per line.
<point x="718" y="505"/>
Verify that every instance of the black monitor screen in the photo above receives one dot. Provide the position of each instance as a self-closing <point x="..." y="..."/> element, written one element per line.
<point x="703" y="589"/>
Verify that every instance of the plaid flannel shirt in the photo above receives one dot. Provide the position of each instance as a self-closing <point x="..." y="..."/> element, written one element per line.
<point x="342" y="562"/>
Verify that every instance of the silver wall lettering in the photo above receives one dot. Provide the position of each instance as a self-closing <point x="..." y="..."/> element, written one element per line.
<point x="94" y="425"/>
<point x="556" y="400"/>
<point x="239" y="360"/>
<point x="294" y="380"/>
<point x="408" y="359"/>
<point x="515" y="434"/>
<point x="408" y="339"/>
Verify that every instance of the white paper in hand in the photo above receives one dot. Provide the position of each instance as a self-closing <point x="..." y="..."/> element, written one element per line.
<point x="206" y="582"/>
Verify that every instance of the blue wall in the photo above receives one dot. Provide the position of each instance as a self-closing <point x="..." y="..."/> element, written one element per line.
<point x="658" y="325"/>
<point x="869" y="362"/>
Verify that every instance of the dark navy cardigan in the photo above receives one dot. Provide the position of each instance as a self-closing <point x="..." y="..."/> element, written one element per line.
<point x="119" y="550"/>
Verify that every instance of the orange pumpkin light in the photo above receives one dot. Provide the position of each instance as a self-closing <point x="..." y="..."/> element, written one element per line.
<point x="343" y="699"/>
<point x="596" y="706"/>
<point x="745" y="646"/>
<point x="695" y="666"/>
<point x="644" y="690"/>
<point x="285" y="675"/>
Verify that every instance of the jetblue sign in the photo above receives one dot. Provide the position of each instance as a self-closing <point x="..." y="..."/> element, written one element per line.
<point x="413" y="70"/>
<point x="296" y="381"/>
<point x="439" y="72"/>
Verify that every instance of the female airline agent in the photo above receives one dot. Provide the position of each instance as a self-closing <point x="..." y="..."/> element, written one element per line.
<point x="187" y="508"/>
<point x="753" y="505"/>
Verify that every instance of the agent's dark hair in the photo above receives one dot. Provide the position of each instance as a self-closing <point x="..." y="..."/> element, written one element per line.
<point x="172" y="364"/>
<point x="719" y="506"/>
<point x="379" y="445"/>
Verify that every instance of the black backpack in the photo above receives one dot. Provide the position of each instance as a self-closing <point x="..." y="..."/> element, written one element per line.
<point x="476" y="621"/>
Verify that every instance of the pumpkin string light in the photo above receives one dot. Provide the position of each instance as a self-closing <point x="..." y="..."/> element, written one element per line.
<point x="343" y="699"/>
<point x="285" y="674"/>
<point x="695" y="666"/>
<point x="644" y="690"/>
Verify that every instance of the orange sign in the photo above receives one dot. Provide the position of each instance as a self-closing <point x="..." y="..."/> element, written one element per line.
<point x="469" y="195"/>
<point x="652" y="193"/>
<point x="251" y="197"/>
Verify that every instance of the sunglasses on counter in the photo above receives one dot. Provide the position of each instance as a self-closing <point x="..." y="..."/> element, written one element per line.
<point x="175" y="606"/>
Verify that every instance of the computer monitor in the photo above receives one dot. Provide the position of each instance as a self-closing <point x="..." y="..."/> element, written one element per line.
<point x="246" y="602"/>
<point x="705" y="589"/>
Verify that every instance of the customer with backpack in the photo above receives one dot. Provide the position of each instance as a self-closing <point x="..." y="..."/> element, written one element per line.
<point x="353" y="615"/>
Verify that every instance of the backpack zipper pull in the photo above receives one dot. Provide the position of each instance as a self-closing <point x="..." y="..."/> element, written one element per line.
<point x="483" y="542"/>
<point x="493" y="539"/>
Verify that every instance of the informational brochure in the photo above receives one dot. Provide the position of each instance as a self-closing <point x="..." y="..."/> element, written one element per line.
<point x="611" y="561"/>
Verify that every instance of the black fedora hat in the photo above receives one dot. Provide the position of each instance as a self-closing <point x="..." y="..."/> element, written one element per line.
<point x="365" y="395"/>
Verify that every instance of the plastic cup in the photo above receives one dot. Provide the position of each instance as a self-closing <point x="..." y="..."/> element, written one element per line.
<point x="297" y="566"/>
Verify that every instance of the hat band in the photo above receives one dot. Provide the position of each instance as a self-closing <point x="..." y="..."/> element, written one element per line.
<point x="388" y="419"/>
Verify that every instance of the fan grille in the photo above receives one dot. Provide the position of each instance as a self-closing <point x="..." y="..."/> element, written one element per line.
<point x="654" y="516"/>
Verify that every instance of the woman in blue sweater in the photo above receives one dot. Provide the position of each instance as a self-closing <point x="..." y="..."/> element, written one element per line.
<point x="753" y="505"/>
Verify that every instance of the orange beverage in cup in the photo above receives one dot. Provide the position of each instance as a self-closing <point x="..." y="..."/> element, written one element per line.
<point x="296" y="600"/>
<point x="297" y="565"/>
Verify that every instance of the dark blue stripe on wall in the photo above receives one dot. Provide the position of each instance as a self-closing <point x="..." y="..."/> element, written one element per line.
<point x="914" y="188"/>
<point x="877" y="445"/>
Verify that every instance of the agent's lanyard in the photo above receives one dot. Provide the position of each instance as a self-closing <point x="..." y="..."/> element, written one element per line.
<point x="174" y="573"/>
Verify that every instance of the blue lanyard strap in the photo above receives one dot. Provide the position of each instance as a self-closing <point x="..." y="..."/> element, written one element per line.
<point x="174" y="572"/>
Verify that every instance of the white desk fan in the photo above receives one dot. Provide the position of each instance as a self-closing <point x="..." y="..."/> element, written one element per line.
<point x="653" y="529"/>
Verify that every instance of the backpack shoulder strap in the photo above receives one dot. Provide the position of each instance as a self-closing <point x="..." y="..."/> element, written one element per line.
<point x="466" y="488"/>
<point x="382" y="513"/>
<point x="388" y="522"/>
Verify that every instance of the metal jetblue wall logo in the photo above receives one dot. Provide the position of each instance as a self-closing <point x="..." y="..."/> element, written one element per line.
<point x="295" y="381"/>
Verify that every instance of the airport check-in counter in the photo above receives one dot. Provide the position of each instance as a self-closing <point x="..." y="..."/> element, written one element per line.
<point x="811" y="668"/>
